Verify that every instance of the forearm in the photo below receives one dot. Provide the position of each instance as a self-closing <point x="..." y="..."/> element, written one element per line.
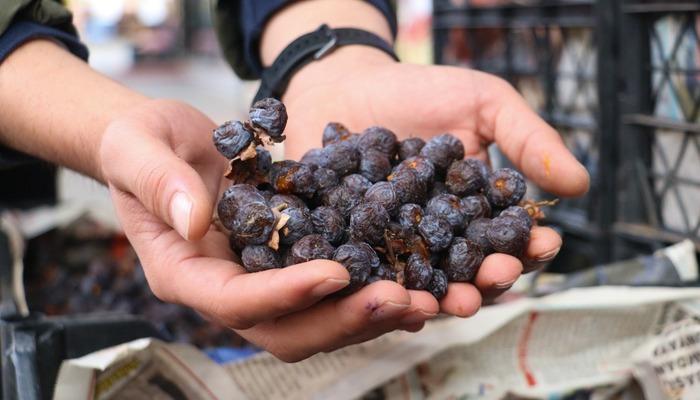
<point x="55" y="107"/>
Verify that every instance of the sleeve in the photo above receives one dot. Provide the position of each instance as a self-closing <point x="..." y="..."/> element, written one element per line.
<point x="239" y="25"/>
<point x="22" y="31"/>
<point x="49" y="13"/>
<point x="21" y="21"/>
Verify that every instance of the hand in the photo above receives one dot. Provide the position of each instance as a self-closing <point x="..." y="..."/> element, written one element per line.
<point x="360" y="87"/>
<point x="163" y="172"/>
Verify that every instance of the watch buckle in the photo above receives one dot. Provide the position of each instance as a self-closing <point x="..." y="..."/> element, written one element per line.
<point x="330" y="45"/>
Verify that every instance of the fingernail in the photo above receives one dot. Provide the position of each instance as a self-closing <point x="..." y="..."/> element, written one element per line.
<point x="416" y="317"/>
<point x="180" y="210"/>
<point x="549" y="256"/>
<point x="330" y="285"/>
<point x="503" y="285"/>
<point x="387" y="311"/>
<point x="530" y="265"/>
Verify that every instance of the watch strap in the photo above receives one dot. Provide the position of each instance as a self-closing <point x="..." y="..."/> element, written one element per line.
<point x="311" y="47"/>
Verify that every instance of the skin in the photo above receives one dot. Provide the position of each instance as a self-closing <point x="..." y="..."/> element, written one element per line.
<point x="165" y="175"/>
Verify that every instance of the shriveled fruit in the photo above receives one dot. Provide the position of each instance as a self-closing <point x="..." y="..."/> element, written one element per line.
<point x="418" y="272"/>
<point x="518" y="213"/>
<point x="291" y="177"/>
<point x="466" y="177"/>
<point x="378" y="138"/>
<point x="438" y="284"/>
<point x="476" y="233"/>
<point x="310" y="247"/>
<point x="357" y="262"/>
<point x="508" y="235"/>
<point x="368" y="221"/>
<point x="409" y="211"/>
<point x="298" y="225"/>
<point x="410" y="147"/>
<point x="383" y="193"/>
<point x="436" y="231"/>
<point x="270" y="115"/>
<point x="329" y="223"/>
<point x="374" y="165"/>
<point x="449" y="207"/>
<point x="442" y="150"/>
<point x="463" y="260"/>
<point x="506" y="187"/>
<point x="410" y="215"/>
<point x="232" y="138"/>
<point x="475" y="207"/>
<point x="334" y="132"/>
<point x="259" y="258"/>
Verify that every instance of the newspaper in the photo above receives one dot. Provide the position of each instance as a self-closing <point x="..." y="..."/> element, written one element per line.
<point x="669" y="365"/>
<point x="597" y="338"/>
<point x="144" y="369"/>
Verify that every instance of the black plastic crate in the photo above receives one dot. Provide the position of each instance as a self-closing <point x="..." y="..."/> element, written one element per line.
<point x="660" y="124"/>
<point x="620" y="80"/>
<point x="33" y="346"/>
<point x="551" y="52"/>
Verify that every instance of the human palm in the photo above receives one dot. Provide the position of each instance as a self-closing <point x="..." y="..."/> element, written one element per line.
<point x="164" y="149"/>
<point x="416" y="100"/>
<point x="424" y="101"/>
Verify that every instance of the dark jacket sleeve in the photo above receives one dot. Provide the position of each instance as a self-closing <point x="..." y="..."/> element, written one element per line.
<point x="49" y="13"/>
<point x="239" y="24"/>
<point x="21" y="21"/>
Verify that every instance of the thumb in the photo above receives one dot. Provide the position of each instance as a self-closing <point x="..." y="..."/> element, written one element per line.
<point x="527" y="140"/>
<point x="165" y="184"/>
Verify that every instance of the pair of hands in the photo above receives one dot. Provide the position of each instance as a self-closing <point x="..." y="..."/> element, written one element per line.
<point x="165" y="177"/>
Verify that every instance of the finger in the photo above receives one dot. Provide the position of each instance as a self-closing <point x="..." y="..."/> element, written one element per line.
<point x="545" y="244"/>
<point x="334" y="323"/>
<point x="462" y="300"/>
<point x="496" y="275"/>
<point x="164" y="183"/>
<point x="528" y="141"/>
<point x="423" y="307"/>
<point x="241" y="301"/>
<point x="498" y="271"/>
<point x="217" y="287"/>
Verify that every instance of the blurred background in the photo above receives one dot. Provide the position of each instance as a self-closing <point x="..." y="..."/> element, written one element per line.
<point x="620" y="80"/>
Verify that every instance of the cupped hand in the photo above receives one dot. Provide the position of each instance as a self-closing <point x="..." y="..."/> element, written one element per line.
<point x="361" y="90"/>
<point x="165" y="178"/>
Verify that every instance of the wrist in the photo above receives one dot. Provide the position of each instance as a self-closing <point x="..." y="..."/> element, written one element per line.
<point x="302" y="17"/>
<point x="343" y="63"/>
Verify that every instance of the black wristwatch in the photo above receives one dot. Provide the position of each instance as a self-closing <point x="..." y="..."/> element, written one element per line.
<point x="311" y="47"/>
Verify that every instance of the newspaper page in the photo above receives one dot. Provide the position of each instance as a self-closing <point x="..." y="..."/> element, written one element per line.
<point x="144" y="369"/>
<point x="598" y="338"/>
<point x="531" y="348"/>
<point x="669" y="365"/>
